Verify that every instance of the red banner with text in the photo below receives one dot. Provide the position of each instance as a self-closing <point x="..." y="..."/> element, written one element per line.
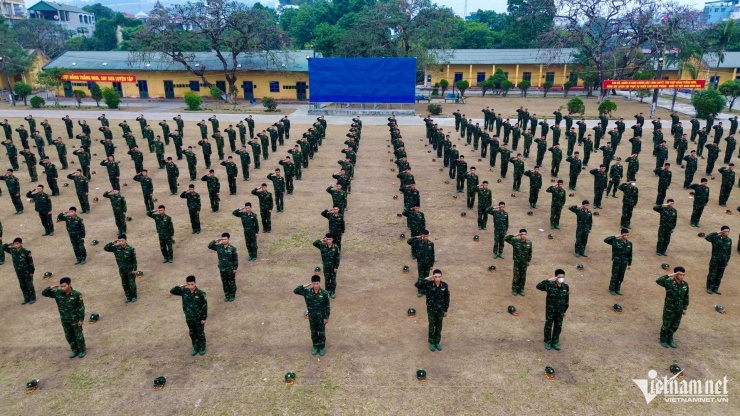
<point x="99" y="78"/>
<point x="648" y="84"/>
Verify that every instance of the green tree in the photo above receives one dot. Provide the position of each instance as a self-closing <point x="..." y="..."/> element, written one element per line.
<point x="44" y="35"/>
<point x="474" y="35"/>
<point x="724" y="34"/>
<point x="22" y="90"/>
<point x="192" y="100"/>
<point x="79" y="95"/>
<point x="269" y="103"/>
<point x="731" y="90"/>
<point x="607" y="106"/>
<point x="462" y="85"/>
<point x="486" y="85"/>
<point x="506" y="85"/>
<point x="96" y="93"/>
<point x="546" y="88"/>
<point x="575" y="106"/>
<point x="434" y="109"/>
<point x="708" y="101"/>
<point x="524" y="85"/>
<point x="566" y="87"/>
<point x="37" y="102"/>
<point x="443" y="85"/>
<point x="215" y="92"/>
<point x="528" y="19"/>
<point x="111" y="98"/>
<point x="104" y="35"/>
<point x="51" y="79"/>
<point x="100" y="11"/>
<point x="498" y="78"/>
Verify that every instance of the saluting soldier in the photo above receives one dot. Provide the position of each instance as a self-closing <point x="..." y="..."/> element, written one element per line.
<point x="319" y="309"/>
<point x="118" y="203"/>
<point x="728" y="181"/>
<point x="668" y="218"/>
<point x="576" y="166"/>
<point x="630" y="195"/>
<point x="289" y="169"/>
<point x="68" y="124"/>
<point x="729" y="150"/>
<point x="692" y="165"/>
<point x="251" y="226"/>
<point x="147" y="189"/>
<point x="14" y="189"/>
<point x="206" y="148"/>
<point x="158" y="147"/>
<point x="599" y="184"/>
<point x="485" y="200"/>
<point x="675" y="305"/>
<point x="535" y="184"/>
<point x="193" y="203"/>
<point x="278" y="185"/>
<point x="127" y="265"/>
<point x="165" y="232"/>
<point x="192" y="160"/>
<point x="701" y="198"/>
<point x="82" y="187"/>
<point x="24" y="268"/>
<point x="616" y="172"/>
<point x="219" y="139"/>
<point x="83" y="154"/>
<point x="72" y="312"/>
<point x="462" y="167"/>
<point x="518" y="172"/>
<point x="336" y="222"/>
<point x="42" y="205"/>
<point x="557" y="157"/>
<point x="228" y="264"/>
<point x="556" y="304"/>
<point x="621" y="259"/>
<point x="114" y="171"/>
<point x="173" y="173"/>
<point x="338" y="197"/>
<point x="50" y="170"/>
<point x="558" y="202"/>
<point x="330" y="258"/>
<point x="231" y="173"/>
<point x="12" y="153"/>
<point x="76" y="231"/>
<point x="165" y="131"/>
<point x="180" y="124"/>
<point x="712" y="156"/>
<point x="250" y="124"/>
<point x="522" y="256"/>
<point x="245" y="161"/>
<point x="31" y="164"/>
<point x="721" y="252"/>
<point x="500" y="228"/>
<point x="471" y="178"/>
<point x="425" y="256"/>
<point x="438" y="303"/>
<point x="266" y="205"/>
<point x="664" y="181"/>
<point x="257" y="148"/>
<point x="214" y="188"/>
<point x="584" y="219"/>
<point x="195" y="307"/>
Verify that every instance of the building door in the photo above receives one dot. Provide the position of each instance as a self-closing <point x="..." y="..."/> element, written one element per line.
<point x="169" y="89"/>
<point x="221" y="85"/>
<point x="248" y="88"/>
<point x="68" y="89"/>
<point x="300" y="91"/>
<point x="119" y="89"/>
<point x="143" y="89"/>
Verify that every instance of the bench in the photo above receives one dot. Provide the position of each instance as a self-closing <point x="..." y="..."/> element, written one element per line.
<point x="452" y="97"/>
<point x="422" y="97"/>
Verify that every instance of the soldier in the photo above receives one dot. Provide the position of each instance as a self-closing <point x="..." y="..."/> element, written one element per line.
<point x="664" y="182"/>
<point x="576" y="166"/>
<point x="330" y="257"/>
<point x="668" y="217"/>
<point x="68" y="124"/>
<point x="500" y="227"/>
<point x="264" y="140"/>
<point x="338" y="197"/>
<point x="251" y="226"/>
<point x="12" y="153"/>
<point x="278" y="185"/>
<point x="31" y="164"/>
<point x="62" y="152"/>
<point x="42" y="205"/>
<point x="147" y="189"/>
<point x="718" y="130"/>
<point x="138" y="157"/>
<point x="142" y="122"/>
<point x="195" y="307"/>
<point x="114" y="171"/>
<point x="173" y="172"/>
<point x="256" y="149"/>
<point x="180" y="124"/>
<point x="527" y="143"/>
<point x="219" y="139"/>
<point x="125" y="128"/>
<point x="23" y="135"/>
<point x="206" y="148"/>
<point x="14" y="189"/>
<point x="472" y="183"/>
<point x="245" y="161"/>
<point x="50" y="170"/>
<point x="558" y="202"/>
<point x="438" y="302"/>
<point x="177" y="140"/>
<point x="228" y="264"/>
<point x="615" y="176"/>
<point x="701" y="198"/>
<point x="629" y="200"/>
<point x="556" y="304"/>
<point x="148" y="134"/>
<point x="319" y="309"/>
<point x="570" y="138"/>
<point x="108" y="146"/>
<point x="24" y="268"/>
<point x="518" y="172"/>
<point x="675" y="306"/>
<point x="415" y="222"/>
<point x="585" y="222"/>
<point x="730" y="149"/>
<point x="7" y="129"/>
<point x="231" y="134"/>
<point x="72" y="312"/>
<point x="701" y="144"/>
<point x="76" y="231"/>
<point x="485" y="199"/>
<point x="712" y="156"/>
<point x="127" y="265"/>
<point x="505" y="157"/>
<point x="214" y="187"/>
<point x="581" y="131"/>
<point x="694" y="128"/>
<point x="535" y="184"/>
<point x="192" y="160"/>
<point x="82" y="187"/>
<point x="231" y="173"/>
<point x="158" y="147"/>
<point x="266" y="205"/>
<point x="424" y="248"/>
<point x="289" y="169"/>
<point x="118" y="203"/>
<point x="621" y="259"/>
<point x="461" y="166"/>
<point x="541" y="149"/>
<point x="636" y="145"/>
<point x="692" y="165"/>
<point x="83" y="154"/>
<point x="165" y="232"/>
<point x="728" y="181"/>
<point x="193" y="203"/>
<point x="557" y="157"/>
<point x="599" y="184"/>
<point x="522" y="256"/>
<point x="721" y="252"/>
<point x="681" y="144"/>
<point x="607" y="154"/>
<point x="39" y="141"/>
<point x="250" y="124"/>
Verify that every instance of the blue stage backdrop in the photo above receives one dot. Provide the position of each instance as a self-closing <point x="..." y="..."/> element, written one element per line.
<point x="362" y="80"/>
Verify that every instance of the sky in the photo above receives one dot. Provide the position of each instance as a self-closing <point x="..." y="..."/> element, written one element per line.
<point x="499" y="6"/>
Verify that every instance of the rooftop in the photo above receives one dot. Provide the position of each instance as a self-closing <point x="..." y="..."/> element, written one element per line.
<point x="50" y="6"/>
<point x="504" y="56"/>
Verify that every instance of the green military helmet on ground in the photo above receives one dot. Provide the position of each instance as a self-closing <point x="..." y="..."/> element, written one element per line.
<point x="94" y="242"/>
<point x="448" y="182"/>
<point x="421" y="375"/>
<point x="549" y="372"/>
<point x="512" y="310"/>
<point x="617" y="308"/>
<point x="289" y="377"/>
<point x="596" y="213"/>
<point x="395" y="196"/>
<point x="399" y="215"/>
<point x="129" y="218"/>
<point x="665" y="266"/>
<point x="67" y="185"/>
<point x="402" y="235"/>
<point x="579" y="266"/>
<point x="32" y="385"/>
<point x="492" y="268"/>
<point x="530" y="213"/>
<point x="720" y="309"/>
<point x="411" y="312"/>
<point x="676" y="370"/>
<point x="317" y="269"/>
<point x="405" y="269"/>
<point x="94" y="317"/>
<point x="159" y="382"/>
<point x="96" y="199"/>
<point x="305" y="315"/>
<point x="139" y="274"/>
<point x="476" y="237"/>
<point x="48" y="275"/>
<point x="550" y="236"/>
<point x="701" y="235"/>
<point x="463" y="214"/>
<point x="738" y="209"/>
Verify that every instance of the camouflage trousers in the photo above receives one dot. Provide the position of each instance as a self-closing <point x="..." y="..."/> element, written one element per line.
<point x="716" y="272"/>
<point x="318" y="330"/>
<point x="78" y="246"/>
<point x="664" y="238"/>
<point x="75" y="338"/>
<point x="520" y="277"/>
<point x="553" y="326"/>
<point x="671" y="321"/>
<point x="197" y="333"/>
<point x="435" y="318"/>
<point x="228" y="281"/>
<point x="128" y="281"/>
<point x="331" y="278"/>
<point x="619" y="267"/>
<point x="25" y="280"/>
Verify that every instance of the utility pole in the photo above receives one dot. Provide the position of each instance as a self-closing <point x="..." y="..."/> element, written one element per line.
<point x="658" y="75"/>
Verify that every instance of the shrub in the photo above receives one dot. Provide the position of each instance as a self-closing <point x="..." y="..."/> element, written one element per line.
<point x="22" y="90"/>
<point x="216" y="92"/>
<point x="462" y="86"/>
<point x="546" y="87"/>
<point x="37" y="102"/>
<point x="575" y="106"/>
<point x="443" y="84"/>
<point x="524" y="86"/>
<point x="192" y="100"/>
<point x="434" y="109"/>
<point x="566" y="87"/>
<point x="269" y="103"/>
<point x="79" y="95"/>
<point x="96" y="93"/>
<point x="506" y="85"/>
<point x="607" y="106"/>
<point x="708" y="101"/>
<point x="111" y="98"/>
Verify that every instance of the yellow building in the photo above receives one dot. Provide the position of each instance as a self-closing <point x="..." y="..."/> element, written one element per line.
<point x="475" y="66"/>
<point x="39" y="59"/>
<point x="727" y="70"/>
<point x="279" y="74"/>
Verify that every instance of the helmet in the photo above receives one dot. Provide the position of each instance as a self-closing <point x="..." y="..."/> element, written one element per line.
<point x="94" y="317"/>
<point x="129" y="218"/>
<point x="405" y="269"/>
<point x="289" y="377"/>
<point x="665" y="266"/>
<point x="491" y="268"/>
<point x="95" y="199"/>
<point x="395" y="196"/>
<point x="48" y="275"/>
<point x="421" y="375"/>
<point x="476" y="237"/>
<point x="720" y="309"/>
<point x="317" y="269"/>
<point x="498" y="180"/>
<point x="701" y="234"/>
<point x="617" y="308"/>
<point x="550" y="236"/>
<point x="463" y="214"/>
<point x="675" y="369"/>
<point x="32" y="385"/>
<point x="95" y="242"/>
<point x="530" y="213"/>
<point x="596" y="213"/>
<point x="159" y="382"/>
<point x="579" y="266"/>
<point x="411" y="312"/>
<point x="402" y="235"/>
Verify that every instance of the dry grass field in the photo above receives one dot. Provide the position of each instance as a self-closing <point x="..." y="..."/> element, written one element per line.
<point x="492" y="362"/>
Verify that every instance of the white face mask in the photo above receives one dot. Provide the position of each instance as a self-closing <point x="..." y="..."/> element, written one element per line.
<point x="561" y="280"/>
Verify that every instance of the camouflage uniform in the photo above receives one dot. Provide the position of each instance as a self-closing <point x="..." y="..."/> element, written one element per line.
<point x="558" y="202"/>
<point x="24" y="270"/>
<point x="266" y="205"/>
<point x="14" y="189"/>
<point x="214" y="187"/>
<point x="319" y="309"/>
<point x="664" y="181"/>
<point x="556" y="304"/>
<point x="668" y="218"/>
<point x="701" y="198"/>
<point x="330" y="258"/>
<point x="500" y="227"/>
<point x="12" y="155"/>
<point x="336" y="225"/>
<point x="721" y="252"/>
<point x="522" y="257"/>
<point x="424" y="256"/>
<point x="127" y="266"/>
<point x="584" y="219"/>
<point x="728" y="181"/>
<point x="616" y="172"/>
<point x="676" y="302"/>
<point x="147" y="189"/>
<point x="118" y="203"/>
<point x="576" y="165"/>
<point x="251" y="227"/>
<point x="192" y="160"/>
<point x="245" y="160"/>
<point x="76" y="230"/>
<point x="599" y="186"/>
<point x="535" y="184"/>
<point x="621" y="259"/>
<point x="518" y="173"/>
<point x="71" y="311"/>
<point x="114" y="173"/>
<point x="42" y="205"/>
<point x="438" y="301"/>
<point x="629" y="200"/>
<point x="165" y="232"/>
<point x="193" y="202"/>
<point x="278" y="185"/>
<point x="82" y="187"/>
<point x="195" y="307"/>
<point x="692" y="165"/>
<point x="338" y="198"/>
<point x="228" y="263"/>
<point x="485" y="200"/>
<point x="173" y="172"/>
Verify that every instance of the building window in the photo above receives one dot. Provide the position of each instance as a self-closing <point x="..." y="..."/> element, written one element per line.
<point x="716" y="9"/>
<point x="527" y="76"/>
<point x="550" y="77"/>
<point x="194" y="86"/>
<point x="481" y="77"/>
<point x="458" y="77"/>
<point x="274" y="86"/>
<point x="573" y="79"/>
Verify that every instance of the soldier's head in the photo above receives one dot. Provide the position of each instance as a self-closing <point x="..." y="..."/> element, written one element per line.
<point x="667" y="166"/>
<point x="485" y="185"/>
<point x="536" y="168"/>
<point x="576" y="155"/>
<point x="472" y="169"/>
<point x="680" y="273"/>
<point x="720" y="123"/>
<point x="618" y="161"/>
<point x="461" y="157"/>
<point x="425" y="235"/>
<point x="560" y="275"/>
<point x="158" y="138"/>
<point x="557" y="145"/>
<point x="191" y="188"/>
<point x="111" y="158"/>
<point x="72" y="211"/>
<point x="277" y="172"/>
<point x="225" y="239"/>
<point x="211" y="173"/>
<point x="145" y="173"/>
<point x="602" y="168"/>
<point x="437" y="276"/>
<point x="724" y="231"/>
<point x="335" y="209"/>
<point x="17" y="243"/>
<point x="169" y="159"/>
<point x="625" y="234"/>
<point x="329" y="239"/>
<point x="518" y="156"/>
<point x="559" y="184"/>
<point x="316" y="282"/>
<point x="190" y="148"/>
<point x="609" y="145"/>
<point x="412" y="185"/>
<point x="264" y="187"/>
<point x="190" y="283"/>
<point x="248" y="207"/>
<point x="40" y="189"/>
<point x="122" y="240"/>
<point x="78" y="172"/>
<point x="670" y="202"/>
<point x="115" y="192"/>
<point x="160" y="209"/>
<point x="585" y="204"/>
<point x="65" y="283"/>
<point x="704" y="182"/>
<point x="731" y="167"/>
<point x="501" y="206"/>
<point x="523" y="234"/>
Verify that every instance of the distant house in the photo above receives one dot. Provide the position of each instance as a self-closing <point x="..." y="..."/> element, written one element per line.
<point x="69" y="17"/>
<point x="30" y="76"/>
<point x="13" y="9"/>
